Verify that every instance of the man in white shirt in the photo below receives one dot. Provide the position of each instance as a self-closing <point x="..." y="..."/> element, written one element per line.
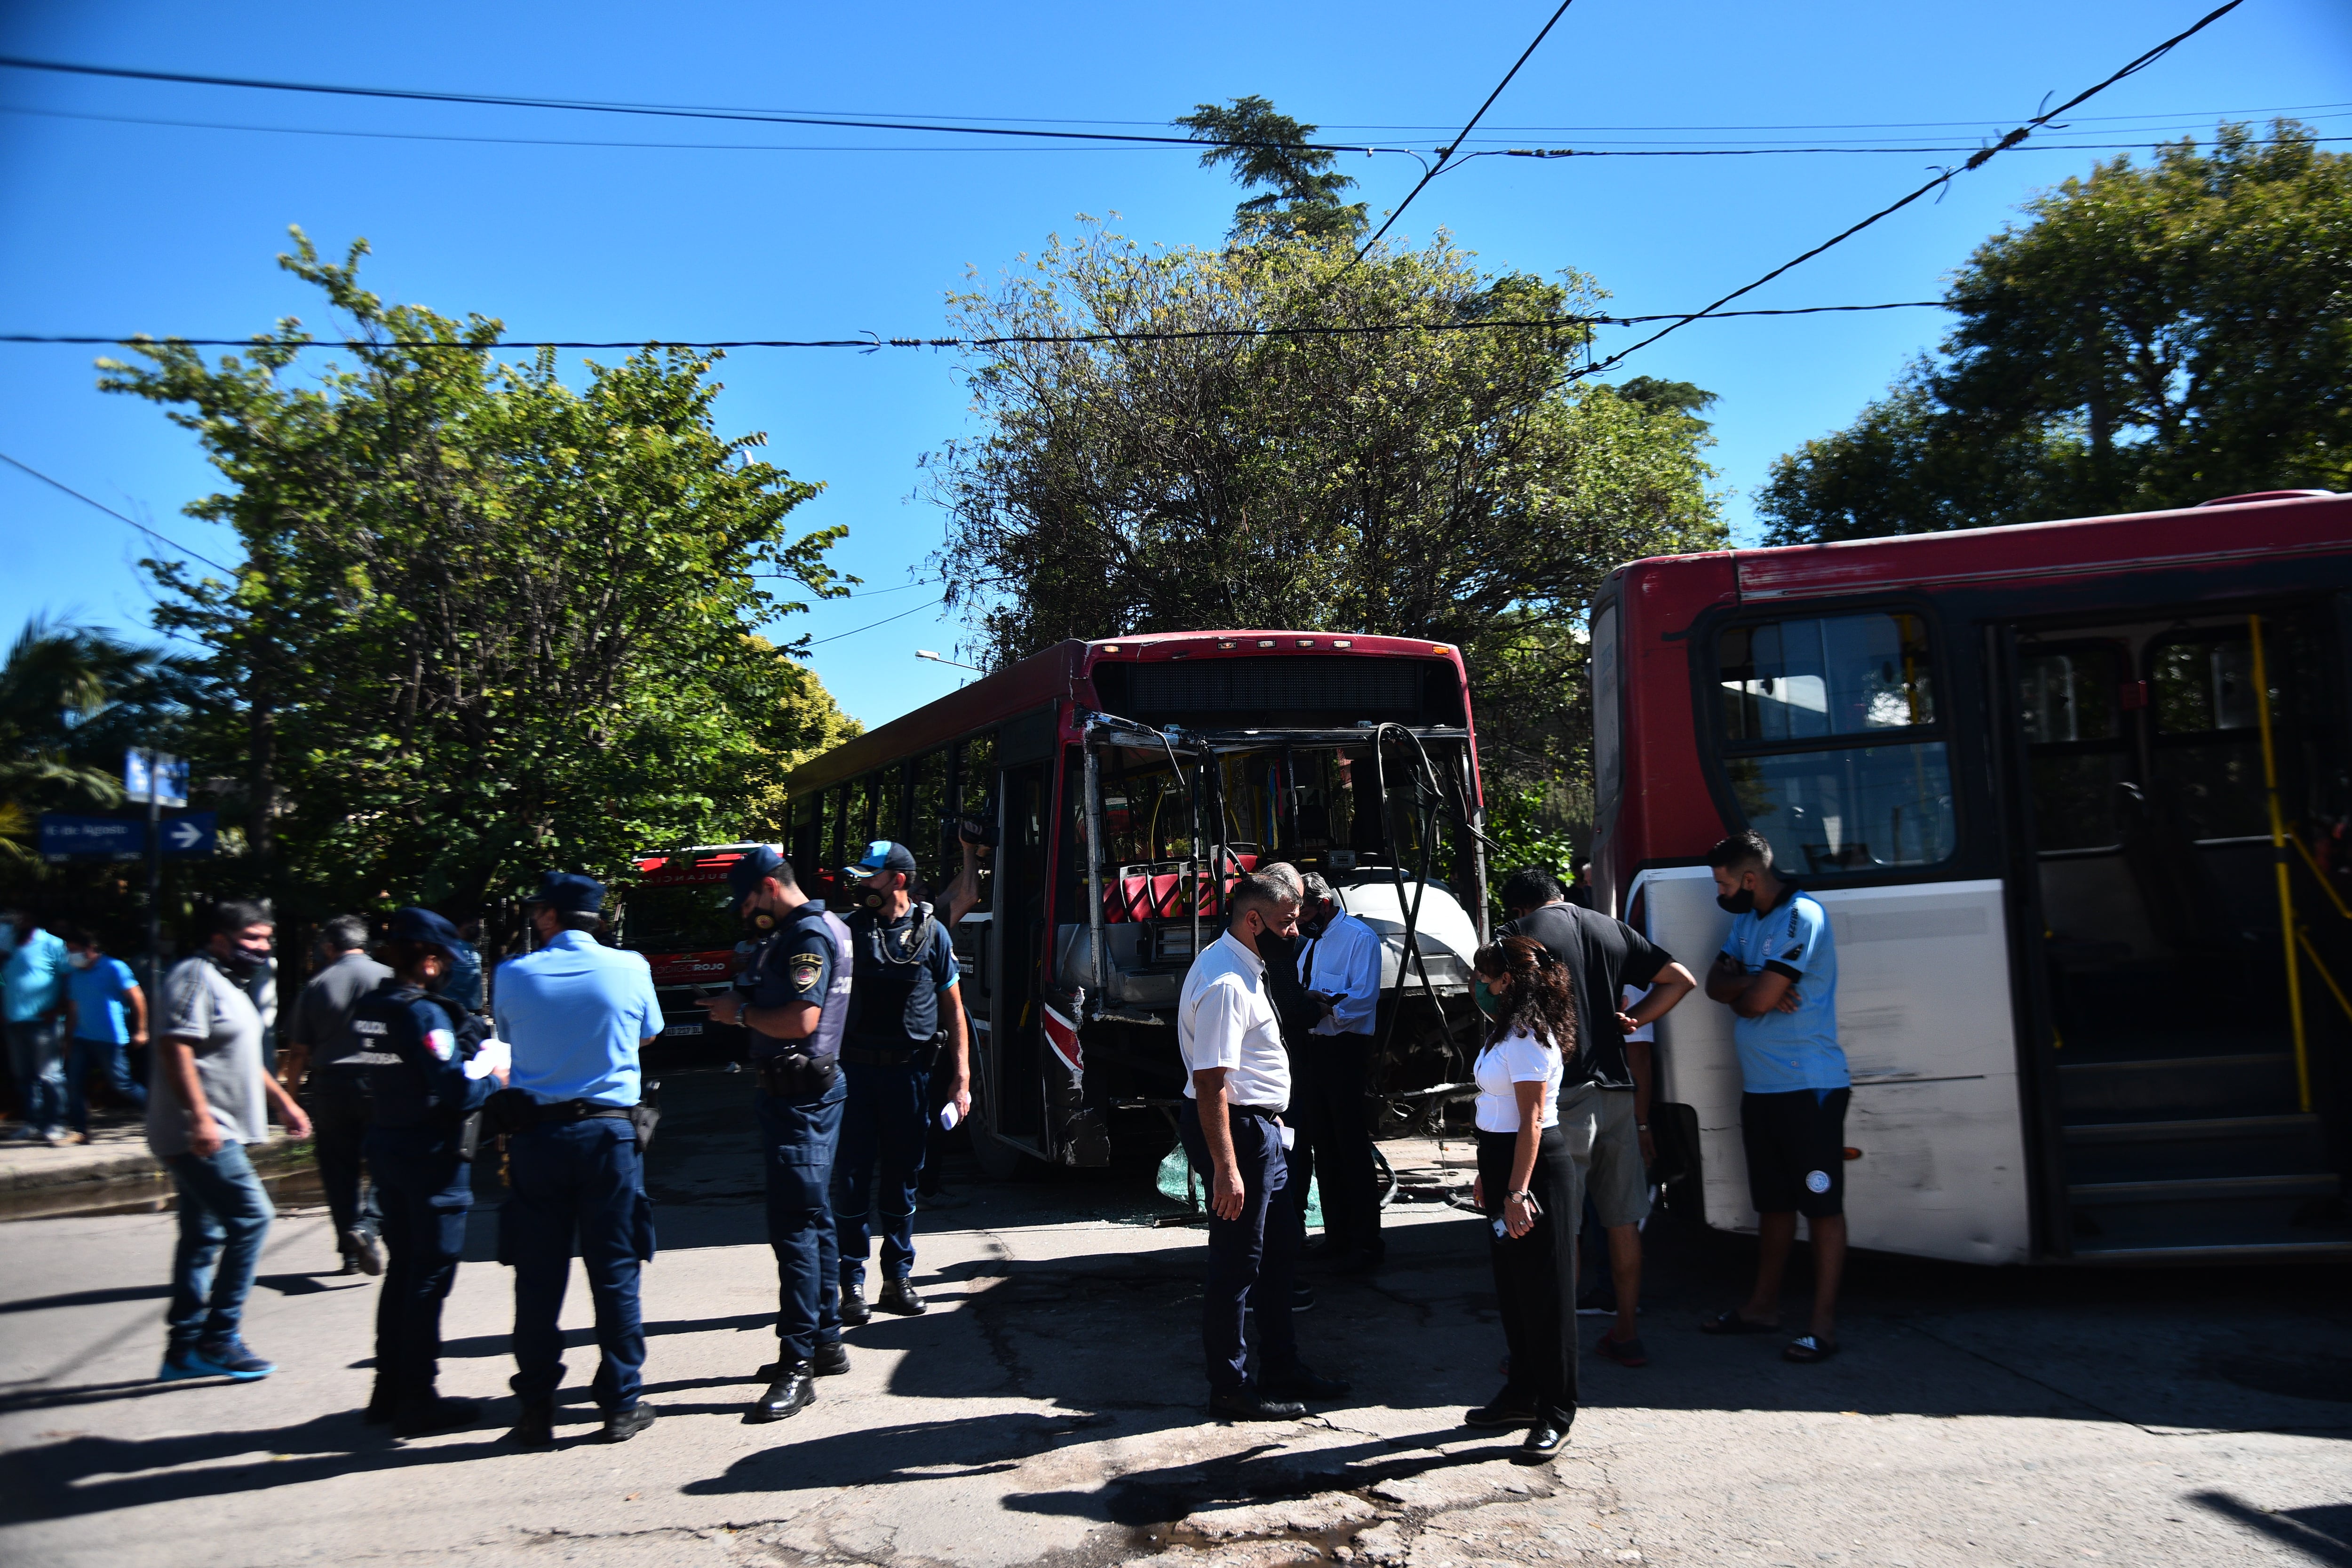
<point x="1237" y="1086"/>
<point x="1340" y="965"/>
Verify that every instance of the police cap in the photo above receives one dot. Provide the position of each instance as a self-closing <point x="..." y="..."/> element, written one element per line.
<point x="423" y="925"/>
<point x="569" y="893"/>
<point x="882" y="854"/>
<point x="758" y="863"/>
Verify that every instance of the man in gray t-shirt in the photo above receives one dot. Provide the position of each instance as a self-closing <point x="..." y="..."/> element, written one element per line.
<point x="321" y="1044"/>
<point x="209" y="1095"/>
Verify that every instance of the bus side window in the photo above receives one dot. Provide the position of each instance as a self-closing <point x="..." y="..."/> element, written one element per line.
<point x="2077" y="749"/>
<point x="928" y="822"/>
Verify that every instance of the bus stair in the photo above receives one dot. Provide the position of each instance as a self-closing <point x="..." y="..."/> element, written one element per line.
<point x="2186" y="1145"/>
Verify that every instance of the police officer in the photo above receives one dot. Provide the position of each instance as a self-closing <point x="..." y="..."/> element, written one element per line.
<point x="792" y="996"/>
<point x="575" y="1013"/>
<point x="414" y="1049"/>
<point x="902" y="997"/>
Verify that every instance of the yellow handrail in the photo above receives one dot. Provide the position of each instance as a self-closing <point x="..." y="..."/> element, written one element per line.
<point x="2289" y="931"/>
<point x="2319" y="876"/>
<point x="2341" y="1000"/>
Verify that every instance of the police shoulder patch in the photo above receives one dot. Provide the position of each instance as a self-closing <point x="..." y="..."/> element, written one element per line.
<point x="443" y="1044"/>
<point x="806" y="970"/>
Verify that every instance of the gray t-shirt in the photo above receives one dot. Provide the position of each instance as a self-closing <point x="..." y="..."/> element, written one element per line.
<point x="323" y="1015"/>
<point x="204" y="1007"/>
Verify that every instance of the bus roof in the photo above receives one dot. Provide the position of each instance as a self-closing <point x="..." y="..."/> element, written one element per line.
<point x="1057" y="673"/>
<point x="2236" y="528"/>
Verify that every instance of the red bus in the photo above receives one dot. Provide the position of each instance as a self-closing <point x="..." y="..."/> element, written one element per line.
<point x="1125" y="783"/>
<point x="2074" y="795"/>
<point x="681" y="914"/>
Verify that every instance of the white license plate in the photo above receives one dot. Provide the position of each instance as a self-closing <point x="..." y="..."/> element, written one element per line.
<point x="683" y="1029"/>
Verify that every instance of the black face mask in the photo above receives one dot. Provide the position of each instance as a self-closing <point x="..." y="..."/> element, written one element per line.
<point x="241" y="964"/>
<point x="1738" y="903"/>
<point x="873" y="899"/>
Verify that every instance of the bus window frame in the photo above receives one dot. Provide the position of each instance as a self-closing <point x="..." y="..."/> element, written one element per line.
<point x="2130" y="740"/>
<point x="1716" y="752"/>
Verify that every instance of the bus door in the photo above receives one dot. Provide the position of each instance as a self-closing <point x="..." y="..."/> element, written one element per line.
<point x="2186" y="1109"/>
<point x="1013" y="1090"/>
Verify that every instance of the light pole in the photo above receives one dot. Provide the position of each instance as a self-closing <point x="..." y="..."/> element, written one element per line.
<point x="936" y="658"/>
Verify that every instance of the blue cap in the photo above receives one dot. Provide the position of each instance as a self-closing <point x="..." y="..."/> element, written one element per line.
<point x="758" y="863"/>
<point x="423" y="925"/>
<point x="569" y="893"/>
<point x="882" y="854"/>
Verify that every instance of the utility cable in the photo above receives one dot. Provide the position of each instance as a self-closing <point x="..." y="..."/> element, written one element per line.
<point x="1443" y="154"/>
<point x="119" y="517"/>
<point x="883" y="622"/>
<point x="1475" y="324"/>
<point x="1977" y="160"/>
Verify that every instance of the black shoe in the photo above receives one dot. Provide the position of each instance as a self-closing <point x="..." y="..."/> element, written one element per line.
<point x="419" y="1417"/>
<point x="832" y="1359"/>
<point x="535" y="1428"/>
<point x="1302" y="1383"/>
<point x="621" y="1426"/>
<point x="899" y="1296"/>
<point x="381" y="1406"/>
<point x="854" y="1314"/>
<point x="362" y="1251"/>
<point x="792" y="1391"/>
<point x="1546" y="1438"/>
<point x="1501" y="1412"/>
<point x="1302" y="1300"/>
<point x="1252" y="1405"/>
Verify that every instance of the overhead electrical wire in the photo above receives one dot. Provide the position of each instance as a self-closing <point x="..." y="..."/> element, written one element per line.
<point x="1474" y="324"/>
<point x="119" y="517"/>
<point x="885" y="621"/>
<point x="1975" y="161"/>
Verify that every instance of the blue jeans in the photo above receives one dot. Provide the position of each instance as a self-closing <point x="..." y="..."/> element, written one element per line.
<point x="797" y="1139"/>
<point x="585" y="1179"/>
<point x="883" y="1127"/>
<point x="425" y="1191"/>
<point x="225" y="1217"/>
<point x="36" y="1060"/>
<point x="92" y="1056"/>
<point x="1251" y="1256"/>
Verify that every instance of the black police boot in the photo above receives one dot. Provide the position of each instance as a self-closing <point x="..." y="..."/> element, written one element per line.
<point x="832" y="1359"/>
<point x="794" y="1391"/>
<point x="1302" y="1383"/>
<point x="1508" y="1408"/>
<point x="899" y="1296"/>
<point x="1254" y="1404"/>
<point x="382" y="1405"/>
<point x="853" y="1312"/>
<point x="620" y="1426"/>
<point x="1545" y="1439"/>
<point x="535" y="1428"/>
<point x="434" y="1413"/>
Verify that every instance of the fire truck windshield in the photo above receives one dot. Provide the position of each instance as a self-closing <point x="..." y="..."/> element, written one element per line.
<point x="695" y="918"/>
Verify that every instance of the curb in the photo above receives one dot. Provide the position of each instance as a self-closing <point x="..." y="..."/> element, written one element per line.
<point x="111" y="1170"/>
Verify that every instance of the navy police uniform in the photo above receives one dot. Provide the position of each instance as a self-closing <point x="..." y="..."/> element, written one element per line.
<point x="414" y="1050"/>
<point x="575" y="1013"/>
<point x="900" y="970"/>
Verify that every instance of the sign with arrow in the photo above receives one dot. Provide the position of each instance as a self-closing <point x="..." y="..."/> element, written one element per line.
<point x="65" y="837"/>
<point x="196" y="832"/>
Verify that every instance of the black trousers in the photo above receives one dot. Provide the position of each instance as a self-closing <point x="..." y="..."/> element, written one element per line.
<point x="425" y="1191"/>
<point x="338" y="1128"/>
<point x="1251" y="1256"/>
<point x="1535" y="1274"/>
<point x="1337" y="1138"/>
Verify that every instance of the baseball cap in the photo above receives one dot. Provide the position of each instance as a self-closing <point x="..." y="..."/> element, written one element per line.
<point x="569" y="893"/>
<point x="423" y="925"/>
<point x="758" y="863"/>
<point x="882" y="854"/>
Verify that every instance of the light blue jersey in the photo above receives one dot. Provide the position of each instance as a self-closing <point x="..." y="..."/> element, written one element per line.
<point x="1780" y="1053"/>
<point x="576" y="1013"/>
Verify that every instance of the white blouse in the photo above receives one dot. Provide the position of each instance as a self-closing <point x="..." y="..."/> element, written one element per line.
<point x="1519" y="1058"/>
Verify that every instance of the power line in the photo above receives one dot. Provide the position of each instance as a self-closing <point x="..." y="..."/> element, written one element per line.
<point x="1444" y="154"/>
<point x="1975" y="160"/>
<point x="885" y="621"/>
<point x="1777" y="151"/>
<point x="119" y="517"/>
<point x="1015" y="340"/>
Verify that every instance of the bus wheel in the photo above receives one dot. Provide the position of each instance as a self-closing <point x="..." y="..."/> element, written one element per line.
<point x="999" y="1161"/>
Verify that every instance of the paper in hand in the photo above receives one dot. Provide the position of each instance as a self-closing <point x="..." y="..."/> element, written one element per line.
<point x="494" y="1056"/>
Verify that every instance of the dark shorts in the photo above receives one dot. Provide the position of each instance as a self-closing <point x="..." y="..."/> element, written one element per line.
<point x="1796" y="1152"/>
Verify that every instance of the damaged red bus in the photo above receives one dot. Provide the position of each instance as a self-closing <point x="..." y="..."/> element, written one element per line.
<point x="1124" y="784"/>
<point x="2075" y="795"/>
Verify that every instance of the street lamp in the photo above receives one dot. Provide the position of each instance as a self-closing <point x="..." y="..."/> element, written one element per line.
<point x="935" y="658"/>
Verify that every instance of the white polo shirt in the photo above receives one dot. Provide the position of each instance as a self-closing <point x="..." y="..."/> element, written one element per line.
<point x="1226" y="1019"/>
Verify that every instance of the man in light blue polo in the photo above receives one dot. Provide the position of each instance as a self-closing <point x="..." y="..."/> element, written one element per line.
<point x="35" y="984"/>
<point x="576" y="1014"/>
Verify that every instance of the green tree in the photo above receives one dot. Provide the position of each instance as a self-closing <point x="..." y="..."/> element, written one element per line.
<point x="71" y="698"/>
<point x="1459" y="486"/>
<point x="1301" y="195"/>
<point x="2154" y="336"/>
<point x="485" y="623"/>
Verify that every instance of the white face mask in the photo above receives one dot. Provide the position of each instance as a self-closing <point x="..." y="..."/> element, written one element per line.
<point x="79" y="960"/>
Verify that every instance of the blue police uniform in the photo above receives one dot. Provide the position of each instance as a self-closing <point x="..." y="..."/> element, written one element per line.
<point x="575" y="1013"/>
<point x="805" y="960"/>
<point x="413" y="1048"/>
<point x="898" y="972"/>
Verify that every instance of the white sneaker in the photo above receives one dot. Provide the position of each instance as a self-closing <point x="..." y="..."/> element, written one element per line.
<point x="56" y="1137"/>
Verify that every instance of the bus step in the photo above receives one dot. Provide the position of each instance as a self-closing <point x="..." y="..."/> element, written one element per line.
<point x="2326" y="1184"/>
<point x="2267" y="1211"/>
<point x="2215" y="1252"/>
<point x="2167" y="1087"/>
<point x="2196" y="1149"/>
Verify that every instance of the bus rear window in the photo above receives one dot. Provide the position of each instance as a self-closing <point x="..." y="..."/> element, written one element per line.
<point x="1828" y="675"/>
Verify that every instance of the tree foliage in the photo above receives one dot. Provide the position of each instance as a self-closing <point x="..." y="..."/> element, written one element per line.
<point x="72" y="699"/>
<point x="2154" y="336"/>
<point x="485" y="623"/>
<point x="1455" y="485"/>
<point x="1302" y="191"/>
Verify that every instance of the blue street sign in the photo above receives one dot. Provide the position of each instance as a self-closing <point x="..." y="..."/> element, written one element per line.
<point x="191" y="832"/>
<point x="170" y="776"/>
<point x="105" y="837"/>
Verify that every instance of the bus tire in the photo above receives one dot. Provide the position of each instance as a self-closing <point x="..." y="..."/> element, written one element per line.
<point x="999" y="1161"/>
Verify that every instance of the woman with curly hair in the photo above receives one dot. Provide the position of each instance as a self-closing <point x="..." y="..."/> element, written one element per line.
<point x="1526" y="1188"/>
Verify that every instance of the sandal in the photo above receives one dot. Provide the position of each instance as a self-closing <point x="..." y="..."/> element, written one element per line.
<point x="1730" y="1322"/>
<point x="1807" y="1349"/>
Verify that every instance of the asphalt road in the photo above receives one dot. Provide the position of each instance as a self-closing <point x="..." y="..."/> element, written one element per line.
<point x="1047" y="1410"/>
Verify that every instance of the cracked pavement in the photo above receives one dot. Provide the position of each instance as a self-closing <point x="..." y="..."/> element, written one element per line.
<point x="1047" y="1410"/>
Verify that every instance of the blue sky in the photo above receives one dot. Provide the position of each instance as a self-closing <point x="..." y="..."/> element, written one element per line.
<point x="108" y="227"/>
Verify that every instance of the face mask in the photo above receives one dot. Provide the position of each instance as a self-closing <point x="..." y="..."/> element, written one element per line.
<point x="244" y="965"/>
<point x="759" y="920"/>
<point x="78" y="960"/>
<point x="1489" y="1003"/>
<point x="1738" y="903"/>
<point x="873" y="898"/>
